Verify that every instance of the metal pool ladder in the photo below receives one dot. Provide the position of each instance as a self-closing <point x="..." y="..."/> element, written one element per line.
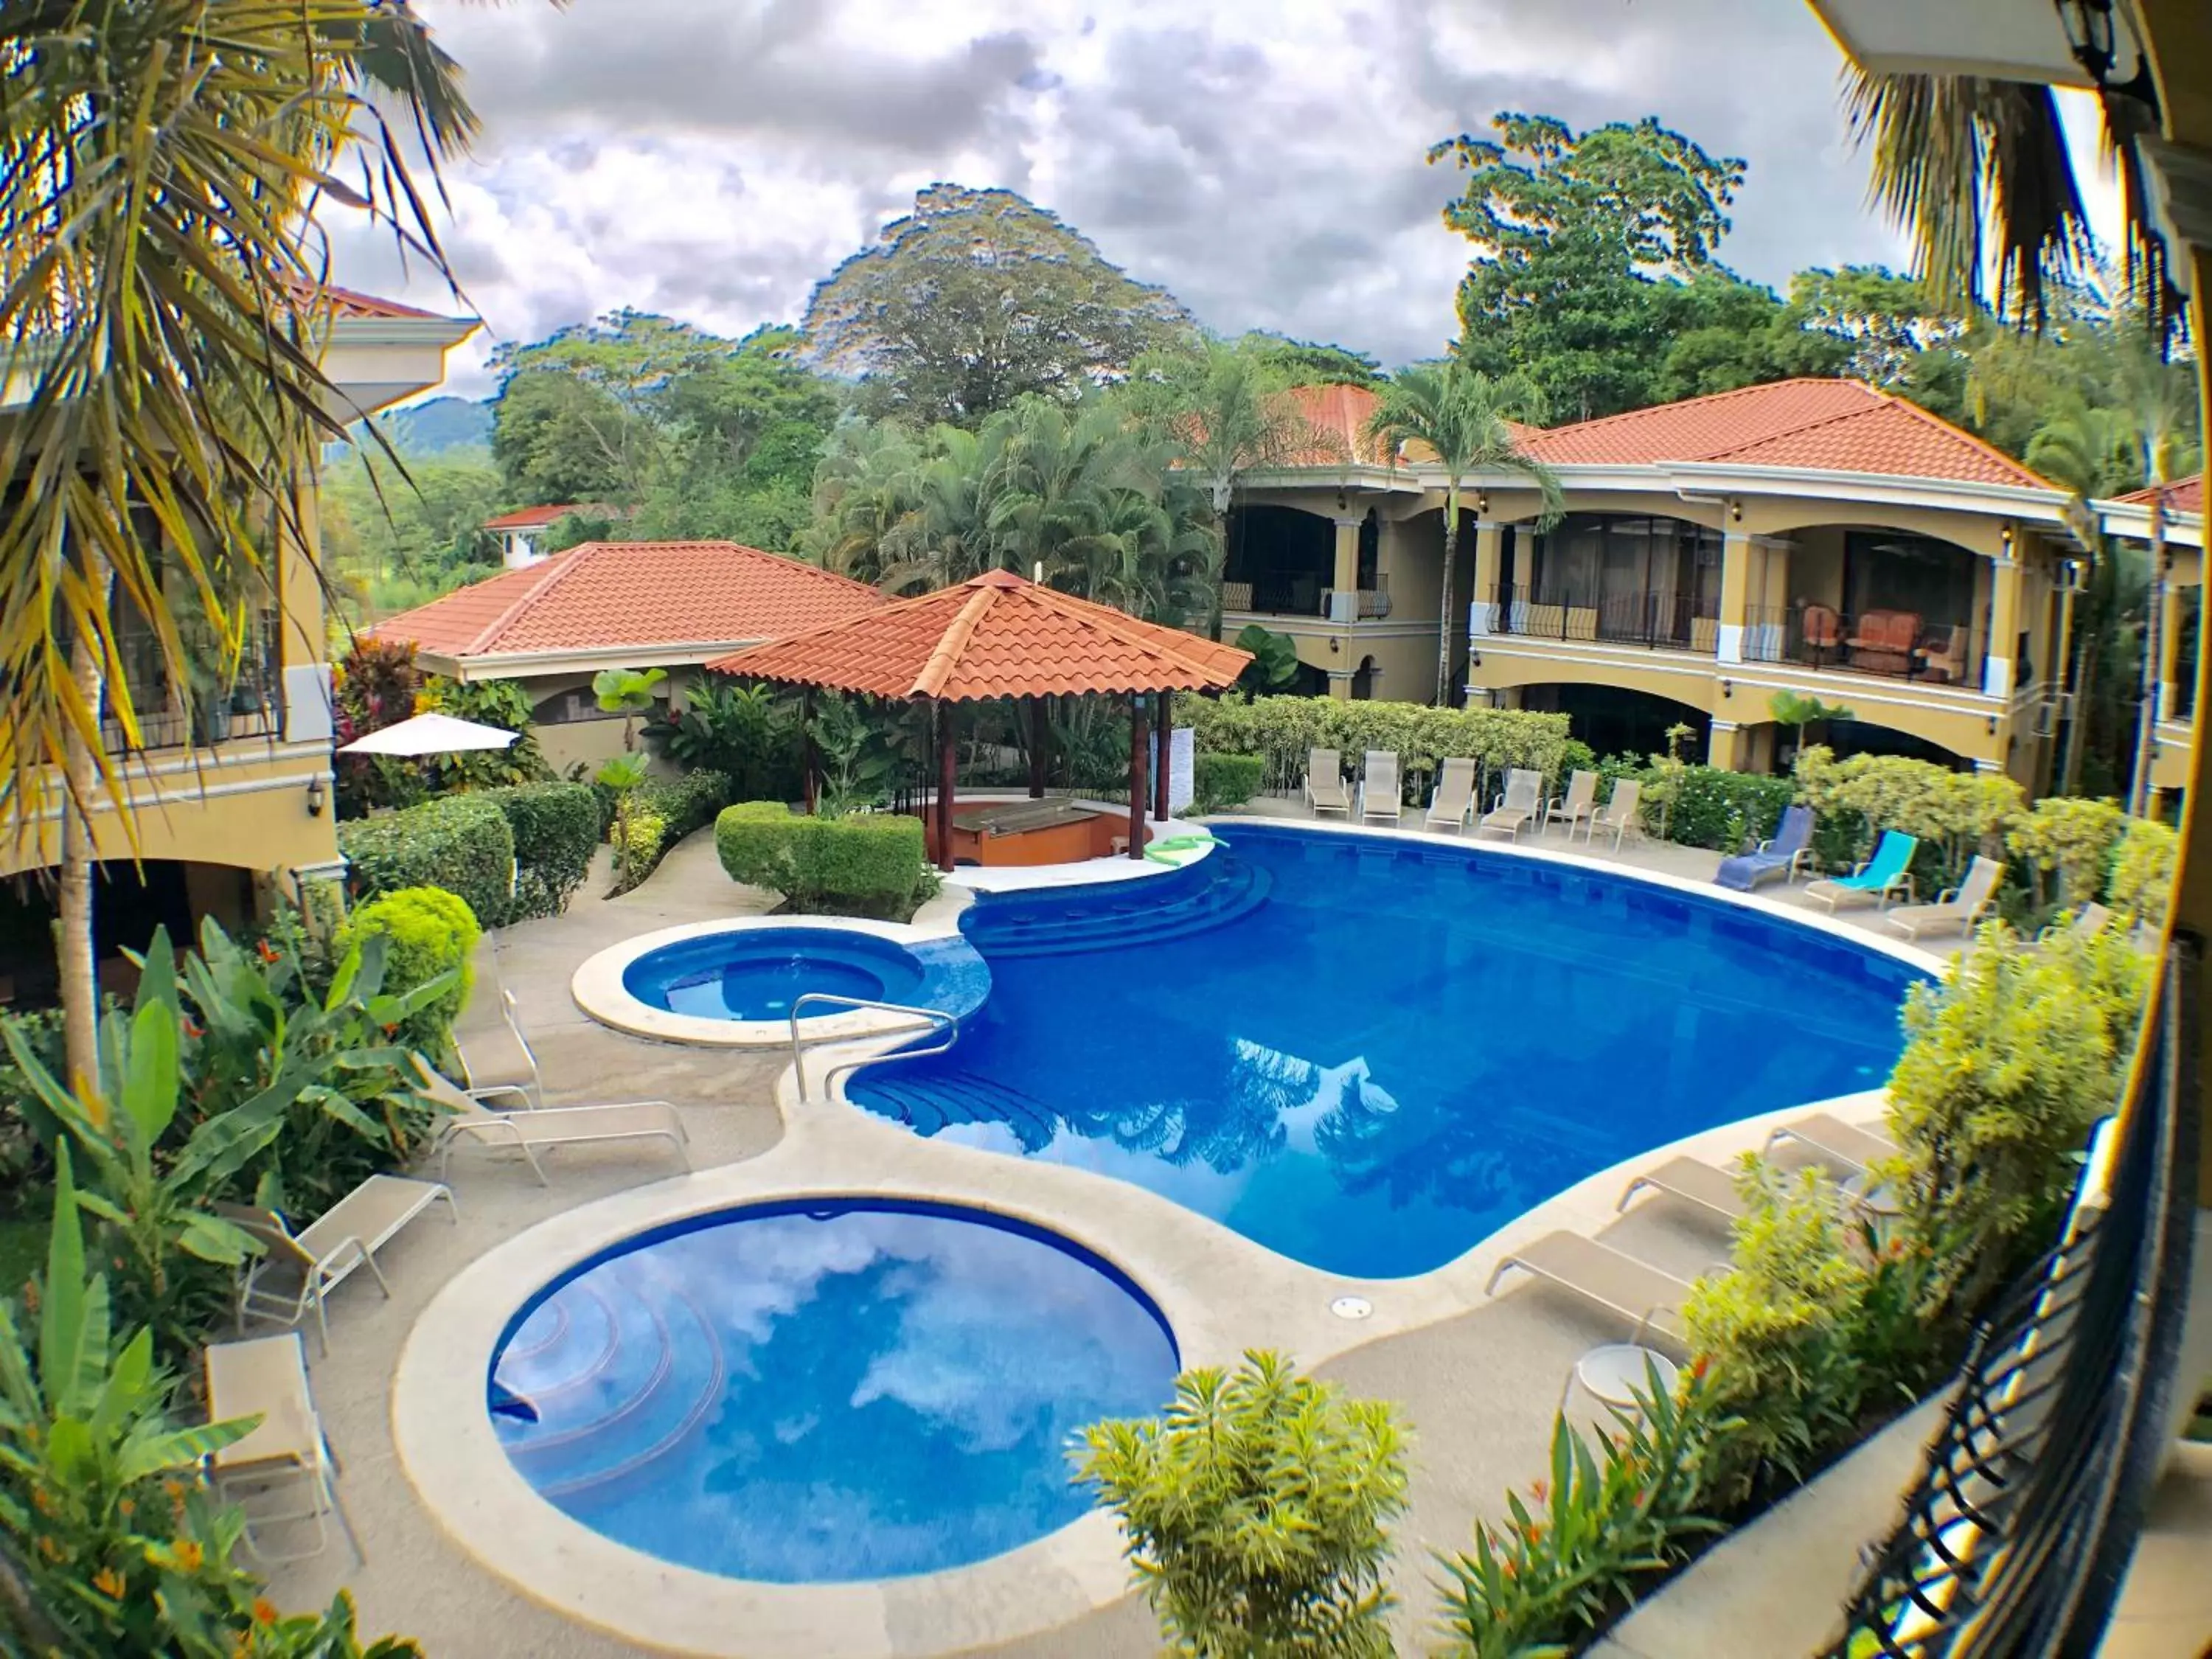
<point x="931" y="1020"/>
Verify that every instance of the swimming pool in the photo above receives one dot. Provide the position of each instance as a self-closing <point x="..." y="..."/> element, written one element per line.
<point x="1368" y="1053"/>
<point x="827" y="1389"/>
<point x="758" y="973"/>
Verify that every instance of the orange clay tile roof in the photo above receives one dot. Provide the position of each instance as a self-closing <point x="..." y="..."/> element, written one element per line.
<point x="1831" y="426"/>
<point x="602" y="596"/>
<point x="2182" y="495"/>
<point x="999" y="635"/>
<point x="350" y="305"/>
<point x="537" y="517"/>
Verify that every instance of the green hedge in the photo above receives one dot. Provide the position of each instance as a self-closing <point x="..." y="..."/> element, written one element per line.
<point x="873" y="862"/>
<point x="459" y="843"/>
<point x="1219" y="781"/>
<point x="663" y="810"/>
<point x="1723" y="809"/>
<point x="556" y="829"/>
<point x="426" y="930"/>
<point x="1280" y="730"/>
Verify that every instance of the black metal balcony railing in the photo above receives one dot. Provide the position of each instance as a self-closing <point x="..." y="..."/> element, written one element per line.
<point x="2017" y="1534"/>
<point x="1661" y="620"/>
<point x="1898" y="644"/>
<point x="1296" y="596"/>
<point x="252" y="707"/>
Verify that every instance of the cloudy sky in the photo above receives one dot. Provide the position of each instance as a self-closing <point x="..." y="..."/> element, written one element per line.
<point x="712" y="159"/>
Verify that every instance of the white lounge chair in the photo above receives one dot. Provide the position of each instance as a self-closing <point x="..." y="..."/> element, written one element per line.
<point x="545" y="1127"/>
<point x="1518" y="807"/>
<point x="1578" y="803"/>
<point x="1694" y="1182"/>
<point x="1454" y="796"/>
<point x="479" y="1079"/>
<point x="1623" y="815"/>
<point x="287" y="1450"/>
<point x="1381" y="796"/>
<point x="1957" y="909"/>
<point x="1832" y="1138"/>
<point x="296" y="1271"/>
<point x="1325" y="790"/>
<point x="1603" y="1275"/>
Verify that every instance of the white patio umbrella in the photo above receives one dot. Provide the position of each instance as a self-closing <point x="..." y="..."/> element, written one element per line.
<point x="430" y="734"/>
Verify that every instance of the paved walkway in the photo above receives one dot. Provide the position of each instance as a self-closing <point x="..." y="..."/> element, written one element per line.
<point x="1480" y="1387"/>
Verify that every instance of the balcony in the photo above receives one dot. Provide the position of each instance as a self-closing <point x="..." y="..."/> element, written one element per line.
<point x="1900" y="645"/>
<point x="1656" y="620"/>
<point x="1299" y="595"/>
<point x="252" y="706"/>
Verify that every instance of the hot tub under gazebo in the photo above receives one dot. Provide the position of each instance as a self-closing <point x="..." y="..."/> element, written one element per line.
<point x="1000" y="636"/>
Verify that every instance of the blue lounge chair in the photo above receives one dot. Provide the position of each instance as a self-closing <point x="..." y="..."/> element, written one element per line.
<point x="1790" y="848"/>
<point x="1888" y="873"/>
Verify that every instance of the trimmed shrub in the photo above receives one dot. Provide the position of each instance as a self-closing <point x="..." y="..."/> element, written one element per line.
<point x="875" y="863"/>
<point x="1220" y="780"/>
<point x="2142" y="871"/>
<point x="1280" y="730"/>
<point x="1722" y="810"/>
<point x="427" y="931"/>
<point x="662" y="811"/>
<point x="459" y="843"/>
<point x="556" y="827"/>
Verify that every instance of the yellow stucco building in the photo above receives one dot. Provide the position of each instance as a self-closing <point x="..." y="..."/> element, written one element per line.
<point x="228" y="804"/>
<point x="1811" y="537"/>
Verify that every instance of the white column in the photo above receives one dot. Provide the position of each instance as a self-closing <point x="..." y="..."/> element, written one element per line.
<point x="2004" y="627"/>
<point x="1736" y="551"/>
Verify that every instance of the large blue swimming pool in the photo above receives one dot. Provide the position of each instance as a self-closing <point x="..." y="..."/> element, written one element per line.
<point x="1368" y="1053"/>
<point x="827" y="1390"/>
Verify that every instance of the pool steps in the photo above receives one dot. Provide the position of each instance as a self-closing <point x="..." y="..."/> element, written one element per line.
<point x="948" y="1097"/>
<point x="1212" y="893"/>
<point x="613" y="1401"/>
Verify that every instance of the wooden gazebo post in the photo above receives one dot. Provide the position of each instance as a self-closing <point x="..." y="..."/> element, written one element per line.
<point x="1163" y="742"/>
<point x="806" y="757"/>
<point x="945" y="769"/>
<point x="1136" y="774"/>
<point x="1040" y="732"/>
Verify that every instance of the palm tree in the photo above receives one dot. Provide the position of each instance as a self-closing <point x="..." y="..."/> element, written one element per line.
<point x="1226" y="412"/>
<point x="160" y="173"/>
<point x="1466" y="419"/>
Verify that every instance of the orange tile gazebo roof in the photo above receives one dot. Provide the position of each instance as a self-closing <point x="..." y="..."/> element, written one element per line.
<point x="999" y="636"/>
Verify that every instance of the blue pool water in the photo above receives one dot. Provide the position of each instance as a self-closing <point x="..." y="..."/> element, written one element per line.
<point x="1367" y="1053"/>
<point x="758" y="973"/>
<point x="836" y="1390"/>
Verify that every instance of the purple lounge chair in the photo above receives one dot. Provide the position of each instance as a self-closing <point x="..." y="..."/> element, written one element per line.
<point x="1791" y="848"/>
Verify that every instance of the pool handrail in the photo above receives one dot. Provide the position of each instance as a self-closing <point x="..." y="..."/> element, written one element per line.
<point x="933" y="1019"/>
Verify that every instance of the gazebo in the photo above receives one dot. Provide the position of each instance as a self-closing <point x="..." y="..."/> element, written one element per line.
<point x="1002" y="637"/>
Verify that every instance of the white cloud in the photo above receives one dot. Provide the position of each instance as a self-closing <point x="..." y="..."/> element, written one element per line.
<point x="714" y="158"/>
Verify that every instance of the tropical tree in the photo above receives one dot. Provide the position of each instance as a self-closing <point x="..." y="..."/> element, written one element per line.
<point x="977" y="298"/>
<point x="161" y="169"/>
<point x="1465" y="418"/>
<point x="628" y="692"/>
<point x="1224" y="410"/>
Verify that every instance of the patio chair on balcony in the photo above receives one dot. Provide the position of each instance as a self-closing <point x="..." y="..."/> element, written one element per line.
<point x="1789" y="851"/>
<point x="1942" y="655"/>
<point x="1823" y="631"/>
<point x="1518" y="807"/>
<point x="1876" y="881"/>
<point x="1579" y="801"/>
<point x="1623" y="815"/>
<point x="1959" y="909"/>
<point x="1884" y="641"/>
<point x="1325" y="790"/>
<point x="1454" y="797"/>
<point x="1381" y="796"/>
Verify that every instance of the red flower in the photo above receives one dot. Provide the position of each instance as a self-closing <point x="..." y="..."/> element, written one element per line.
<point x="268" y="951"/>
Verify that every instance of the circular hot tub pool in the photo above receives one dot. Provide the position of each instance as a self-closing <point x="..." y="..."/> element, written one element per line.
<point x="827" y="1389"/>
<point x="757" y="974"/>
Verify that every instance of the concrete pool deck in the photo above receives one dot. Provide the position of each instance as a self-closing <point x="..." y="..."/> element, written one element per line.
<point x="1478" y="1379"/>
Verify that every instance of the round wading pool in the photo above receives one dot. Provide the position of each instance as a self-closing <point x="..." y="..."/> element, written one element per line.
<point x="826" y="1390"/>
<point x="758" y="973"/>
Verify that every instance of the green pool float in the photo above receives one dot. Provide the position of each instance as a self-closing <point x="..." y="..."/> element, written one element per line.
<point x="1180" y="850"/>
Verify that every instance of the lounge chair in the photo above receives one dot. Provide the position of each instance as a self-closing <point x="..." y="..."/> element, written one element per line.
<point x="1521" y="805"/>
<point x="1601" y="1274"/>
<point x="2091" y="920"/>
<point x="1622" y="814"/>
<point x="1785" y="855"/>
<point x="1876" y="881"/>
<point x="544" y="1127"/>
<point x="1454" y="796"/>
<point x="1579" y="801"/>
<point x="1325" y="790"/>
<point x="1958" y="907"/>
<point x="267" y="1378"/>
<point x="476" y="1079"/>
<point x="1832" y="1138"/>
<point x="1382" y="797"/>
<point x="296" y="1271"/>
<point x="1694" y="1182"/>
